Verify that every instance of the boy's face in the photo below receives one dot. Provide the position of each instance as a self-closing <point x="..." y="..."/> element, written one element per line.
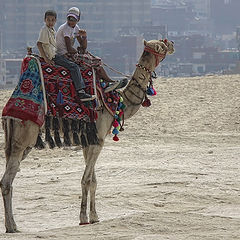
<point x="50" y="21"/>
<point x="71" y="22"/>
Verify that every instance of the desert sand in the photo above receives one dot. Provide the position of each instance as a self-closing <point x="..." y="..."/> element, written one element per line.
<point x="174" y="174"/>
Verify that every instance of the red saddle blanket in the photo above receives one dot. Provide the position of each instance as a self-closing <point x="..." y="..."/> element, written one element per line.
<point x="27" y="101"/>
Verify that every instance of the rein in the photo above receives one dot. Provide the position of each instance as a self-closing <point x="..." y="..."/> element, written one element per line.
<point x="156" y="54"/>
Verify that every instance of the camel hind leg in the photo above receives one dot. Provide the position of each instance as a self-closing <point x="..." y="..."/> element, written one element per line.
<point x="18" y="138"/>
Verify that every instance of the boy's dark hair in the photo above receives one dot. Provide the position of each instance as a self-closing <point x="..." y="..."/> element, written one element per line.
<point x="50" y="13"/>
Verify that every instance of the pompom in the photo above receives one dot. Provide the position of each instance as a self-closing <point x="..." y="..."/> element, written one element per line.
<point x="150" y="91"/>
<point x="115" y="123"/>
<point x="115" y="138"/>
<point x="103" y="84"/>
<point x="146" y="103"/>
<point x="154" y="92"/>
<point x="115" y="131"/>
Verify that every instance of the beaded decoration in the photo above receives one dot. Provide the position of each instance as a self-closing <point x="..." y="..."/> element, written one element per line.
<point x="118" y="117"/>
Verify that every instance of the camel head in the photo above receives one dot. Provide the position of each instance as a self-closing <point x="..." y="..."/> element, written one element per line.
<point x="154" y="52"/>
<point x="170" y="46"/>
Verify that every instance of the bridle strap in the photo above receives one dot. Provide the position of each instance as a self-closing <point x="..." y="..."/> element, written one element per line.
<point x="156" y="54"/>
<point x="150" y="50"/>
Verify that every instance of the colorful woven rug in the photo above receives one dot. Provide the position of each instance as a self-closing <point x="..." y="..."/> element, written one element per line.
<point x="86" y="62"/>
<point x="61" y="95"/>
<point x="26" y="102"/>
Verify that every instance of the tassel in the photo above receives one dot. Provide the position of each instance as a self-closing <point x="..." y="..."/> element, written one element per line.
<point x="115" y="138"/>
<point x="76" y="139"/>
<point x="83" y="141"/>
<point x="67" y="141"/>
<point x="75" y="130"/>
<point x="57" y="138"/>
<point x="146" y="102"/>
<point x="56" y="127"/>
<point x="91" y="132"/>
<point x="59" y="98"/>
<point x="81" y="126"/>
<point x="48" y="137"/>
<point x="39" y="143"/>
<point x="115" y="123"/>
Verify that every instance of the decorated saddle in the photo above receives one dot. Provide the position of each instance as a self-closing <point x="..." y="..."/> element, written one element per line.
<point x="46" y="94"/>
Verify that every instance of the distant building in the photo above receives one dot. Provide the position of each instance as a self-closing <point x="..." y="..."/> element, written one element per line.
<point x="225" y="15"/>
<point x="21" y="20"/>
<point x="9" y="71"/>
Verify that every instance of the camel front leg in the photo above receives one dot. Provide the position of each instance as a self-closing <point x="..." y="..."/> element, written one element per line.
<point x="12" y="167"/>
<point x="19" y="138"/>
<point x="91" y="154"/>
<point x="93" y="217"/>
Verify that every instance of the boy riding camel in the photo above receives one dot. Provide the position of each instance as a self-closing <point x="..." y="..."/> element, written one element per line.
<point x="63" y="43"/>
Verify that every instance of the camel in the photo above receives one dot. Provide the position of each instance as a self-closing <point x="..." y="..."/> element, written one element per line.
<point x="20" y="138"/>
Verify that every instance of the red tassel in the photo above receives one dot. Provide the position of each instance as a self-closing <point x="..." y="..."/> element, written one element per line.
<point x="146" y="102"/>
<point x="115" y="138"/>
<point x="115" y="123"/>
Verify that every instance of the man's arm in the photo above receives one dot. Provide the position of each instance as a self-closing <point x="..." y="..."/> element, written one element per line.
<point x="70" y="49"/>
<point x="82" y="39"/>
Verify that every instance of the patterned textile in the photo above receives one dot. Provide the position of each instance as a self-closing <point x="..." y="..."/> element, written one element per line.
<point x="86" y="62"/>
<point x="61" y="95"/>
<point x="26" y="102"/>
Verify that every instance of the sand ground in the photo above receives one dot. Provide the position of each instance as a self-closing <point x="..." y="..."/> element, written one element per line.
<point x="174" y="174"/>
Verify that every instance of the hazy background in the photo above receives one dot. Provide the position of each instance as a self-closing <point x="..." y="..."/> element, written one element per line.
<point x="204" y="32"/>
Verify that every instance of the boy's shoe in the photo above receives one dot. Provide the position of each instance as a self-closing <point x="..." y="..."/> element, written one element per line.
<point x="116" y="85"/>
<point x="111" y="86"/>
<point x="122" y="83"/>
<point x="85" y="96"/>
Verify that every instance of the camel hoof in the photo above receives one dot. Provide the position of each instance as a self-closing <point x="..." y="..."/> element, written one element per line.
<point x="12" y="231"/>
<point x="84" y="223"/>
<point x="95" y="221"/>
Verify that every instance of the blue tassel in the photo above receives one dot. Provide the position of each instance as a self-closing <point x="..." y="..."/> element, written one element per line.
<point x="103" y="84"/>
<point x="115" y="131"/>
<point x="59" y="98"/>
<point x="150" y="91"/>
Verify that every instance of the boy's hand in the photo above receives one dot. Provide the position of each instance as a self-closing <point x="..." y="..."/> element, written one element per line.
<point x="48" y="61"/>
<point x="82" y="33"/>
<point x="72" y="51"/>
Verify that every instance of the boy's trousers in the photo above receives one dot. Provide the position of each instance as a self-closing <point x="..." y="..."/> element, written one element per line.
<point x="74" y="69"/>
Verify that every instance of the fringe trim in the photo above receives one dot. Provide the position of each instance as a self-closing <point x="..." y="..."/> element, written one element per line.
<point x="83" y="133"/>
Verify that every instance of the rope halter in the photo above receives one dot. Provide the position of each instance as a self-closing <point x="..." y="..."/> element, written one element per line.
<point x="156" y="54"/>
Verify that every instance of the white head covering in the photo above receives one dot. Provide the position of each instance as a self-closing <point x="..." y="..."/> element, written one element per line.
<point x="74" y="12"/>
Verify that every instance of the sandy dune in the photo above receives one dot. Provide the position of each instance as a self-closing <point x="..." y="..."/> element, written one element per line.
<point x="174" y="174"/>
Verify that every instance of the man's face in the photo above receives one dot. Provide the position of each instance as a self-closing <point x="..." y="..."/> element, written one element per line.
<point x="50" y="21"/>
<point x="72" y="21"/>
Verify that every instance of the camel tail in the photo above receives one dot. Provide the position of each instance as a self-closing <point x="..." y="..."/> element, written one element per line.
<point x="7" y="125"/>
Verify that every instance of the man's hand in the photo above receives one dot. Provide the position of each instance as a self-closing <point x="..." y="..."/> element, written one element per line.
<point x="82" y="33"/>
<point x="72" y="51"/>
<point x="48" y="61"/>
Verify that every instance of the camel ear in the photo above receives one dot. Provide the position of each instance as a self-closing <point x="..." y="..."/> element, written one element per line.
<point x="158" y="48"/>
<point x="145" y="42"/>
